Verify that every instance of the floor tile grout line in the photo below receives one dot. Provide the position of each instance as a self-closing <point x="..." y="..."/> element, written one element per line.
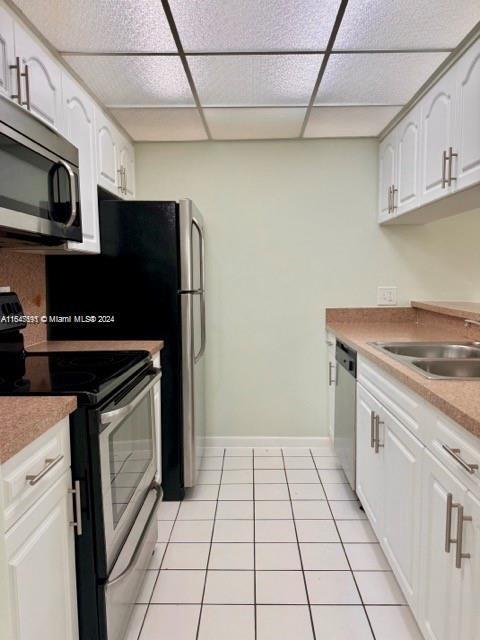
<point x="299" y="550"/>
<point x="344" y="551"/>
<point x="210" y="547"/>
<point x="158" y="574"/>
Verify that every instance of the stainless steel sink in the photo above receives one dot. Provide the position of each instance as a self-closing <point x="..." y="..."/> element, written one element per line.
<point x="433" y="349"/>
<point x="437" y="360"/>
<point x="449" y="369"/>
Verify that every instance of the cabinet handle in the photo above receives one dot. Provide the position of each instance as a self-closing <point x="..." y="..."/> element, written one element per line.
<point x="444" y="170"/>
<point x="451" y="155"/>
<point x="26" y="75"/>
<point x="331" y="380"/>
<point x="448" y="523"/>
<point x="78" y="508"/>
<point x="378" y="422"/>
<point x="120" y="177"/>
<point x="125" y="181"/>
<point x="389" y="200"/>
<point x="455" y="453"/>
<point x="394" y="191"/>
<point x="17" y="96"/>
<point x="372" y="429"/>
<point x="459" y="556"/>
<point x="49" y="464"/>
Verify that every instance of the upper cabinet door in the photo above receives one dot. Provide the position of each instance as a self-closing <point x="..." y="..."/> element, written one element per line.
<point x="8" y="81"/>
<point x="438" y="118"/>
<point x="42" y="82"/>
<point x="468" y="120"/>
<point x="80" y="130"/>
<point x="386" y="176"/>
<point x="127" y="169"/>
<point x="107" y="153"/>
<point x="407" y="183"/>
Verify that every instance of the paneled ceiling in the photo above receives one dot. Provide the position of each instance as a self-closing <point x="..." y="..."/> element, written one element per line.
<point x="252" y="69"/>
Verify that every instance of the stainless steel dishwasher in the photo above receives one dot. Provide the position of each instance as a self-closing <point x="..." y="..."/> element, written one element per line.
<point x="344" y="440"/>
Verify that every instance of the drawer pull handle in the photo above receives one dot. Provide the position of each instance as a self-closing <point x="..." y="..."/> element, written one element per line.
<point x="455" y="453"/>
<point x="331" y="379"/>
<point x="459" y="556"/>
<point x="372" y="429"/>
<point x="49" y="464"/>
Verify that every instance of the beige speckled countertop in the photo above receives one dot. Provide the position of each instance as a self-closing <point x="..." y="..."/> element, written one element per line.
<point x="153" y="346"/>
<point x="455" y="309"/>
<point x="24" y="419"/>
<point x="458" y="399"/>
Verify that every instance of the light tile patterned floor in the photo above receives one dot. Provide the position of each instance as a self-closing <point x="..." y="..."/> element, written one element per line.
<point x="271" y="545"/>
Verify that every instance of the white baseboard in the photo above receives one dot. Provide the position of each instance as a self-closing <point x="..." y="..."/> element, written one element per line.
<point x="265" y="441"/>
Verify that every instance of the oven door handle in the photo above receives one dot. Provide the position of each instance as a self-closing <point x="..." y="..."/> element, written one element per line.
<point x="131" y="563"/>
<point x="122" y="412"/>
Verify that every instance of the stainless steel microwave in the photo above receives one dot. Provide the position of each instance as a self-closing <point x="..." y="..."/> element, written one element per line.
<point x="39" y="182"/>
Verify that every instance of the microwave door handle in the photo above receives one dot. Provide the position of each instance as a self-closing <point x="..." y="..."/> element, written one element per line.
<point x="73" y="192"/>
<point x="201" y="292"/>
<point x="109" y="416"/>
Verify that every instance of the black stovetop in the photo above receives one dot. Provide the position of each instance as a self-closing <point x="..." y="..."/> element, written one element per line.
<point x="91" y="376"/>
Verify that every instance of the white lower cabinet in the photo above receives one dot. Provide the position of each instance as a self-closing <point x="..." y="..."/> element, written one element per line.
<point x="332" y="381"/>
<point x="402" y="453"/>
<point x="41" y="568"/>
<point x="440" y="582"/>
<point x="370" y="489"/>
<point x="422" y="504"/>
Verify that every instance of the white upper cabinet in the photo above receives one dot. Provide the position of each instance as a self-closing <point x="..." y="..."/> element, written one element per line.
<point x="79" y="114"/>
<point x="41" y="79"/>
<point x="468" y="119"/>
<point x="437" y="150"/>
<point x="7" y="54"/>
<point x="126" y="169"/>
<point x="407" y="182"/>
<point x="108" y="175"/>
<point x="386" y="169"/>
<point x="438" y="119"/>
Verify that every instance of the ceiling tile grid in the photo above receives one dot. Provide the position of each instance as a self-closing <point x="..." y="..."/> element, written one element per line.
<point x="254" y="65"/>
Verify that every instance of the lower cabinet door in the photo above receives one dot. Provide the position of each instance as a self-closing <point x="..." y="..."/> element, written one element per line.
<point x="403" y="455"/>
<point x="41" y="568"/>
<point x="370" y="465"/>
<point x="470" y="570"/>
<point x="440" y="582"/>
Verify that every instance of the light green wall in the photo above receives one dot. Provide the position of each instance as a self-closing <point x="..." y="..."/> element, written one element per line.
<point x="291" y="229"/>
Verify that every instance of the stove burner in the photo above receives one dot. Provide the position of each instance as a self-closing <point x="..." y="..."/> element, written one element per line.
<point x="71" y="378"/>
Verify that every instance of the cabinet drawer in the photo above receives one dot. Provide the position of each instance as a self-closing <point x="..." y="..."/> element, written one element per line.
<point x="400" y="401"/>
<point x="27" y="475"/>
<point x="456" y="448"/>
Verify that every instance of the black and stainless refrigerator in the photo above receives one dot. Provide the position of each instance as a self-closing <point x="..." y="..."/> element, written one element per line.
<point x="148" y="283"/>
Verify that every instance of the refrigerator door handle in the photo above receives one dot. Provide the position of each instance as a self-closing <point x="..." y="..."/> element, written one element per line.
<point x="201" y="292"/>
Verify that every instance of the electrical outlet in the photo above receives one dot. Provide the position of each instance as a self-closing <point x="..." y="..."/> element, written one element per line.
<point x="386" y="296"/>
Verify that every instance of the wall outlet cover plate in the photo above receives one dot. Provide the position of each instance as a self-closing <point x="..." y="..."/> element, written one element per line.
<point x="386" y="296"/>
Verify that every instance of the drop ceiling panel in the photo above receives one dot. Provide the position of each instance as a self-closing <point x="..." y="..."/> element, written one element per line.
<point x="161" y="124"/>
<point x="134" y="80"/>
<point x="250" y="124"/>
<point x="392" y="24"/>
<point x="376" y="78"/>
<point x="348" y="122"/>
<point x="250" y="25"/>
<point x="109" y="25"/>
<point x="284" y="80"/>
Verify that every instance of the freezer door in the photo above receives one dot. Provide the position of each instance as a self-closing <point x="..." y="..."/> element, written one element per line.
<point x="192" y="255"/>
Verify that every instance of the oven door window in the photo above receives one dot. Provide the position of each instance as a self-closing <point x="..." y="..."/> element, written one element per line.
<point x="34" y="184"/>
<point x="131" y="452"/>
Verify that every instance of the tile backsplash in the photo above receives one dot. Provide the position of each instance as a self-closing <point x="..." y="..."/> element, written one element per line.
<point x="24" y="273"/>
